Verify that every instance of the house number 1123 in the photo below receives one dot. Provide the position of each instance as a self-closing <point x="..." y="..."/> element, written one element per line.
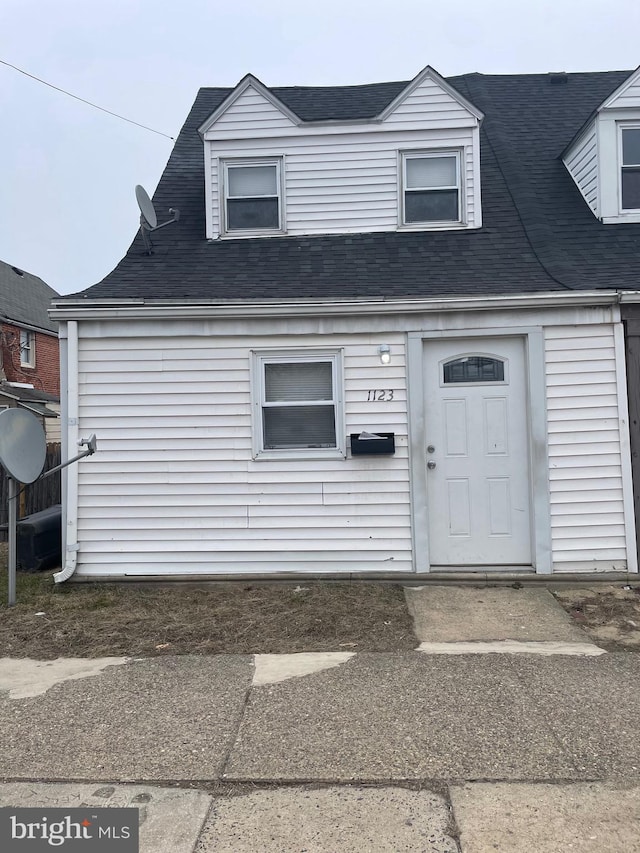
<point x="380" y="396"/>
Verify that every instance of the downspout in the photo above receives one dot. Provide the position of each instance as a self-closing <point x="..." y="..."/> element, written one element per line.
<point x="69" y="399"/>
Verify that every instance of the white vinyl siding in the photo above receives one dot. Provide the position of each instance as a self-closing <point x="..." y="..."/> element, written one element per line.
<point x="594" y="160"/>
<point x="582" y="163"/>
<point x="344" y="178"/>
<point x="347" y="182"/>
<point x="253" y="109"/>
<point x="253" y="116"/>
<point x="586" y="482"/>
<point x="427" y="105"/>
<point x="52" y="426"/>
<point x="174" y="488"/>
<point x="629" y="97"/>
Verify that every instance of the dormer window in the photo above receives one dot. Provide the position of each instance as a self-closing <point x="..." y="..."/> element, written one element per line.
<point x="252" y="196"/>
<point x="431" y="188"/>
<point x="630" y="168"/>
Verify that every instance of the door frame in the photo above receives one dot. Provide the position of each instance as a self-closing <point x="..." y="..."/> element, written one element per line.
<point x="534" y="369"/>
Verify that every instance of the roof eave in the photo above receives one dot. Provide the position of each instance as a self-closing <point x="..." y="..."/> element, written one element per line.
<point x="175" y="309"/>
<point x="24" y="324"/>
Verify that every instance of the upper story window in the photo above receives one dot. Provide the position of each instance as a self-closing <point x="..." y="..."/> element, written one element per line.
<point x="298" y="408"/>
<point x="630" y="168"/>
<point x="27" y="348"/>
<point x="431" y="188"/>
<point x="252" y="196"/>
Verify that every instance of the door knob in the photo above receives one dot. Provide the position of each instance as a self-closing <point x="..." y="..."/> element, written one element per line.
<point x="431" y="464"/>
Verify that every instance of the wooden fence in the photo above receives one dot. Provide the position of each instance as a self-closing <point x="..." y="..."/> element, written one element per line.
<point x="34" y="497"/>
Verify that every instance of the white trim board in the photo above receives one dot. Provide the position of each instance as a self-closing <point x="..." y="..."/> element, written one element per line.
<point x="625" y="449"/>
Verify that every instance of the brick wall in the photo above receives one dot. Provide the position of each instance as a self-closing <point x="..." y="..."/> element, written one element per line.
<point x="45" y="376"/>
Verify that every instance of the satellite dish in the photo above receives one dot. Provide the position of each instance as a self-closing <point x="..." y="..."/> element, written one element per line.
<point x="23" y="447"/>
<point x="146" y="207"/>
<point x="148" y="218"/>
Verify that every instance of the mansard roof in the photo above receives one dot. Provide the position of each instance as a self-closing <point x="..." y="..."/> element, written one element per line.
<point x="537" y="235"/>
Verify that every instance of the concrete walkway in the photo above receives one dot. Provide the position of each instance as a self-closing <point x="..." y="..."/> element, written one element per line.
<point x="449" y="614"/>
<point x="350" y="752"/>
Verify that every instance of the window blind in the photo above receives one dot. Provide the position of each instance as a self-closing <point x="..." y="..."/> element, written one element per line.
<point x="425" y="172"/>
<point x="251" y="181"/>
<point x="303" y="381"/>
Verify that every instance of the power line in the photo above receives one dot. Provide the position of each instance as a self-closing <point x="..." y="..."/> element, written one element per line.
<point x="82" y="100"/>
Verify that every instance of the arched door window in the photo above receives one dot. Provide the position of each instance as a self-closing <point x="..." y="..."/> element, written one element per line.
<point x="473" y="368"/>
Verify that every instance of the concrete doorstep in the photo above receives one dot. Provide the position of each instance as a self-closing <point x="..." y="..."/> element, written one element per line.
<point x="448" y="614"/>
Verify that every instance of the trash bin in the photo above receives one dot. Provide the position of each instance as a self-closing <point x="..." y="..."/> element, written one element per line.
<point x="39" y="540"/>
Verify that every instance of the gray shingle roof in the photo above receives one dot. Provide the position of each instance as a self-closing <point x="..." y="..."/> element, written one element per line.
<point x="26" y="394"/>
<point x="538" y="233"/>
<point x="25" y="298"/>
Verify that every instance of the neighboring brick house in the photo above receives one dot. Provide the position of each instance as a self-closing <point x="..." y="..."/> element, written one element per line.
<point x="29" y="352"/>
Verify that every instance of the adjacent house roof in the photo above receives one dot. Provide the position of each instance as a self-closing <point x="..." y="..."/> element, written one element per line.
<point x="538" y="233"/>
<point x="29" y="398"/>
<point x="25" y="299"/>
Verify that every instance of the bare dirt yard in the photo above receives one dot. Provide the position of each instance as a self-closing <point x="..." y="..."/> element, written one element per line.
<point x="143" y="619"/>
<point x="94" y="620"/>
<point x="610" y="615"/>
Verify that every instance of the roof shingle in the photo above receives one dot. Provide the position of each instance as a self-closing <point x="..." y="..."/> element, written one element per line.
<point x="25" y="298"/>
<point x="538" y="233"/>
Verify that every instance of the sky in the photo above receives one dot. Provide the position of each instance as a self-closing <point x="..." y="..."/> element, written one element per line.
<point x="68" y="171"/>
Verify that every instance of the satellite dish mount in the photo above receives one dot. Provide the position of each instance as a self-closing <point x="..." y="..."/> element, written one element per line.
<point x="148" y="218"/>
<point x="23" y="451"/>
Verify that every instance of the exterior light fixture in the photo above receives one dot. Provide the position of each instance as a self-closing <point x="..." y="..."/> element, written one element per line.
<point x="384" y="351"/>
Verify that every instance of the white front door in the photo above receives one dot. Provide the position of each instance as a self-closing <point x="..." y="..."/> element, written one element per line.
<point x="477" y="456"/>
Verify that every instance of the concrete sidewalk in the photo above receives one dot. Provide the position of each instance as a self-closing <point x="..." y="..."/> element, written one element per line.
<point x="472" y="818"/>
<point x="199" y="725"/>
<point x="350" y="752"/>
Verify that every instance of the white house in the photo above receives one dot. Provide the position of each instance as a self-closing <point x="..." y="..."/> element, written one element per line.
<point x="384" y="338"/>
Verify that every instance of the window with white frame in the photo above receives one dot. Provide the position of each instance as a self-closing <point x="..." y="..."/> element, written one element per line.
<point x="252" y="195"/>
<point x="27" y="348"/>
<point x="630" y="168"/>
<point x="298" y="407"/>
<point x="431" y="188"/>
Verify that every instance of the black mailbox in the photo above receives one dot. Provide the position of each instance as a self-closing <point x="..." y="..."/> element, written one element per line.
<point x="371" y="444"/>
